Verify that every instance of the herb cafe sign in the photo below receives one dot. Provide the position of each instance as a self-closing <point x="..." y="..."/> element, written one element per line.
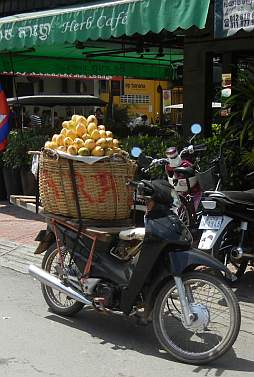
<point x="58" y="28"/>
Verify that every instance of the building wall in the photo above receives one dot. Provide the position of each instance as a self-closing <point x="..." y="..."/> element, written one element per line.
<point x="23" y="86"/>
<point x="141" y="97"/>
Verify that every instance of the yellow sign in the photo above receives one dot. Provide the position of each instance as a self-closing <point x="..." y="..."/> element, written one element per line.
<point x="141" y="87"/>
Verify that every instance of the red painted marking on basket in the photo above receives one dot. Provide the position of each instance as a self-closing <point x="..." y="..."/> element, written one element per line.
<point x="51" y="184"/>
<point x="104" y="181"/>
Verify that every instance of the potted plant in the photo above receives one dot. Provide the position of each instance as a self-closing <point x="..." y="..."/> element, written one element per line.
<point x="3" y="195"/>
<point x="33" y="141"/>
<point x="11" y="165"/>
<point x="17" y="163"/>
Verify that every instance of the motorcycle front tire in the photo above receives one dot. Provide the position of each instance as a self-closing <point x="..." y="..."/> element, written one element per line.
<point x="170" y="343"/>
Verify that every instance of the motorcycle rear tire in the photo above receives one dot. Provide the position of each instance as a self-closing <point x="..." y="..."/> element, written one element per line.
<point x="184" y="212"/>
<point x="169" y="343"/>
<point x="241" y="265"/>
<point x="48" y="292"/>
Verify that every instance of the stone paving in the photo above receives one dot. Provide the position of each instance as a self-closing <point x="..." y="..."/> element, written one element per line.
<point x="19" y="225"/>
<point x="18" y="229"/>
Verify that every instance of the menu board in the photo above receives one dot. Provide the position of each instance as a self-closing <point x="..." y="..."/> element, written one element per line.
<point x="233" y="15"/>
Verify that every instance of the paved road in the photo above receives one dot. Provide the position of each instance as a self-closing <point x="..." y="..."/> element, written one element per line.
<point x="35" y="342"/>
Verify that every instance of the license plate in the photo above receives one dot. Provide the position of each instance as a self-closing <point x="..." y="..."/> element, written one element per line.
<point x="207" y="240"/>
<point x="210" y="222"/>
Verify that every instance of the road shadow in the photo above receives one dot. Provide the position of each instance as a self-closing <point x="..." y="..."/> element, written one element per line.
<point x="123" y="333"/>
<point x="244" y="288"/>
<point x="14" y="211"/>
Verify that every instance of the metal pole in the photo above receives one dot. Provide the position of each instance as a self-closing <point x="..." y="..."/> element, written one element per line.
<point x="52" y="117"/>
<point x="22" y="119"/>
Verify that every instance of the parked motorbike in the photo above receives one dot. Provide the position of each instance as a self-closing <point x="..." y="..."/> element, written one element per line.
<point x="228" y="225"/>
<point x="181" y="170"/>
<point x="149" y="272"/>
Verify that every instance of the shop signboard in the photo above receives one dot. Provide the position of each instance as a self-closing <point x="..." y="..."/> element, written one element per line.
<point x="63" y="76"/>
<point x="138" y="87"/>
<point x="166" y="98"/>
<point x="99" y="20"/>
<point x="233" y="15"/>
<point x="225" y="93"/>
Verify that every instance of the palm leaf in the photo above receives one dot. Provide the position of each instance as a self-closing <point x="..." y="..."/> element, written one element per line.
<point x="231" y="99"/>
<point x="246" y="108"/>
<point x="248" y="158"/>
<point x="244" y="131"/>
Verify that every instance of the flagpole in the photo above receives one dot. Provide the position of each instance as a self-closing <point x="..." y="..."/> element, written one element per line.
<point x="16" y="92"/>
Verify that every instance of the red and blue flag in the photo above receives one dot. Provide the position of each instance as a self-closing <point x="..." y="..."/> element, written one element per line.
<point x="4" y="120"/>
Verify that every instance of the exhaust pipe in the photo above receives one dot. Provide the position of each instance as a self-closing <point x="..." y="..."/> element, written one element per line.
<point x="55" y="283"/>
<point x="238" y="253"/>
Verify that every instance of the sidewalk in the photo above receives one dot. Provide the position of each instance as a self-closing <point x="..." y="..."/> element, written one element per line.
<point x="18" y="229"/>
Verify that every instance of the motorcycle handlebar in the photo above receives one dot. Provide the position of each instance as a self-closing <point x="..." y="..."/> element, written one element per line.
<point x="141" y="188"/>
<point x="219" y="158"/>
<point x="200" y="147"/>
<point x="155" y="162"/>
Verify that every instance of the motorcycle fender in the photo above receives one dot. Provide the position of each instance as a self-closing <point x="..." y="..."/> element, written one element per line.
<point x="181" y="262"/>
<point x="46" y="238"/>
<point x="189" y="259"/>
<point x="210" y="237"/>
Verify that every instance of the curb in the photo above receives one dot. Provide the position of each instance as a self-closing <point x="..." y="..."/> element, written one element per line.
<point x="17" y="257"/>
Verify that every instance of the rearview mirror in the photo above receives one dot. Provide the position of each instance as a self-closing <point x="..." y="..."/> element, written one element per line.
<point x="136" y="152"/>
<point x="196" y="129"/>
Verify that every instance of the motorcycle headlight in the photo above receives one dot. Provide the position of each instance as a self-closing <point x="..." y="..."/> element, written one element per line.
<point x="209" y="204"/>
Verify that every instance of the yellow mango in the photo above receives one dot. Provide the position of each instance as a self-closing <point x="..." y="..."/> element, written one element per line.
<point x="102" y="142"/>
<point x="72" y="134"/>
<point x="97" y="151"/>
<point x="91" y="127"/>
<point x="72" y="150"/>
<point x="95" y="134"/>
<point x="92" y="119"/>
<point x="89" y="144"/>
<point x="80" y="129"/>
<point x="68" y="141"/>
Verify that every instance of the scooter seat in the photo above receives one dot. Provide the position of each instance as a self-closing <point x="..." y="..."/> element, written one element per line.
<point x="237" y="197"/>
<point x="186" y="172"/>
<point x="104" y="231"/>
<point x="132" y="234"/>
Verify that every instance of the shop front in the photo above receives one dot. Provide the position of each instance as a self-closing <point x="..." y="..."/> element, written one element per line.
<point x="216" y="54"/>
<point x="119" y="39"/>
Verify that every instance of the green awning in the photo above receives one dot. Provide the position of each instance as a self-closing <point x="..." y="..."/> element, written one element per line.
<point x="100" y="20"/>
<point x="81" y="67"/>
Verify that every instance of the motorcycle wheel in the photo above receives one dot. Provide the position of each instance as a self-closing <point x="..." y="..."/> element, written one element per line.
<point x="240" y="268"/>
<point x="223" y="247"/>
<point x="213" y="331"/>
<point x="58" y="302"/>
<point x="184" y="214"/>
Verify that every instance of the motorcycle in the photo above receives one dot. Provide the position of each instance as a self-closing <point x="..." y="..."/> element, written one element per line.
<point x="181" y="170"/>
<point x="227" y="222"/>
<point x="228" y="226"/>
<point x="146" y="272"/>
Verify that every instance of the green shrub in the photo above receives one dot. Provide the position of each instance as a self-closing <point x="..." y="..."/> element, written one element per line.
<point x="19" y="143"/>
<point x="235" y="156"/>
<point x="153" y="146"/>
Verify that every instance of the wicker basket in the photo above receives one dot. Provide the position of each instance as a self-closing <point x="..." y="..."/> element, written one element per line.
<point x="101" y="187"/>
<point x="207" y="179"/>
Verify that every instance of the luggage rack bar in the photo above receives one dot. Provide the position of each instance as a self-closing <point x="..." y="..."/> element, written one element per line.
<point x="29" y="203"/>
<point x="25" y="201"/>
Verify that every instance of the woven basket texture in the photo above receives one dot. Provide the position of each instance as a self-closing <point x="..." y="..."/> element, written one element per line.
<point x="102" y="190"/>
